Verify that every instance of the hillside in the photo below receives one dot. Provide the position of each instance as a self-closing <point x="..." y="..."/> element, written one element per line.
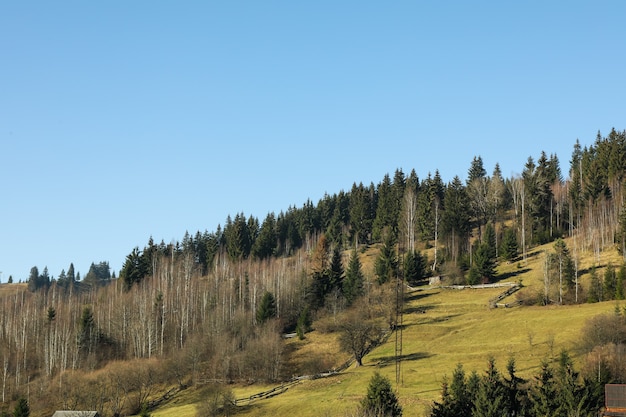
<point x="443" y="327"/>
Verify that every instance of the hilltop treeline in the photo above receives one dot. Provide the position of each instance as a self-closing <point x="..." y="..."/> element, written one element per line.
<point x="536" y="207"/>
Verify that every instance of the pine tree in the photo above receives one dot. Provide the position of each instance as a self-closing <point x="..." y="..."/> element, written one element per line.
<point x="444" y="407"/>
<point x="353" y="282"/>
<point x="610" y="282"/>
<point x="267" y="308"/>
<point x="491" y="394"/>
<point x="509" y="249"/>
<point x="483" y="267"/>
<point x="542" y="394"/>
<point x="386" y="265"/>
<point x="414" y="267"/>
<point x="134" y="269"/>
<point x="384" y="220"/>
<point x="304" y="322"/>
<point x="88" y="335"/>
<point x="462" y="402"/>
<point x="21" y="408"/>
<point x="568" y="390"/>
<point x="380" y="399"/>
<point x="33" y="279"/>
<point x="336" y="270"/>
<point x="595" y="287"/>
<point x="515" y="395"/>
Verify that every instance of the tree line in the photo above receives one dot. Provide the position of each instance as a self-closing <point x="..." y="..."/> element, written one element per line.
<point x="471" y="223"/>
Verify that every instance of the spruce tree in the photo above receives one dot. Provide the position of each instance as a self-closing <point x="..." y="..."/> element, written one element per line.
<point x="491" y="394"/>
<point x="267" y="308"/>
<point x="22" y="408"/>
<point x="483" y="267"/>
<point x="415" y="266"/>
<point x="610" y="282"/>
<point x="509" y="248"/>
<point x="354" y="280"/>
<point x="386" y="264"/>
<point x="336" y="273"/>
<point x="515" y="395"/>
<point x="380" y="399"/>
<point x="542" y="394"/>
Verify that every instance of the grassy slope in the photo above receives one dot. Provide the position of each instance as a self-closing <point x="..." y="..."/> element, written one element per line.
<point x="442" y="328"/>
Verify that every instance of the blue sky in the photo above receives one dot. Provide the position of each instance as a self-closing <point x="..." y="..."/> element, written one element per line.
<point x="124" y="120"/>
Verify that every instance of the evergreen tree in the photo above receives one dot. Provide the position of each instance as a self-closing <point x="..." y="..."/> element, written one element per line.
<point x="267" y="308"/>
<point x="564" y="267"/>
<point x="509" y="249"/>
<point x="21" y="408"/>
<point x="380" y="400"/>
<point x="594" y="294"/>
<point x="415" y="266"/>
<point x="304" y="322"/>
<point x="461" y="400"/>
<point x="354" y="280"/>
<point x="386" y="265"/>
<point x="88" y="334"/>
<point x="361" y="211"/>
<point x="265" y="244"/>
<point x="542" y="394"/>
<point x="384" y="220"/>
<point x="489" y="239"/>
<point x="515" y="395"/>
<point x="568" y="392"/>
<point x="33" y="279"/>
<point x="336" y="273"/>
<point x="491" y="394"/>
<point x="455" y="222"/>
<point x="610" y="282"/>
<point x="443" y="408"/>
<point x="483" y="267"/>
<point x="476" y="170"/>
<point x="98" y="273"/>
<point x="134" y="269"/>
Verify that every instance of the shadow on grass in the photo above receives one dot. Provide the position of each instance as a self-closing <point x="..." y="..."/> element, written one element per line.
<point x="417" y="295"/>
<point x="389" y="360"/>
<point x="435" y="320"/>
<point x="418" y="309"/>
<point x="509" y="275"/>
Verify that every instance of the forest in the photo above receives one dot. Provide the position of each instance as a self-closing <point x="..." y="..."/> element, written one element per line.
<point x="214" y="305"/>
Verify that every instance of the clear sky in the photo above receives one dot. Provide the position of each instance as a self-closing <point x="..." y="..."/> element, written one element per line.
<point x="121" y="120"/>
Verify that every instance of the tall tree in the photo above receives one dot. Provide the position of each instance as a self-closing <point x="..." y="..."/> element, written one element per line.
<point x="386" y="265"/>
<point x="265" y="244"/>
<point x="134" y="269"/>
<point x="336" y="273"/>
<point x="491" y="394"/>
<point x="509" y="249"/>
<point x="267" y="308"/>
<point x="354" y="280"/>
<point x="456" y="220"/>
<point x="384" y="220"/>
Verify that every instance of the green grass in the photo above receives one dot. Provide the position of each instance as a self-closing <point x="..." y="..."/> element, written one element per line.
<point x="442" y="328"/>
